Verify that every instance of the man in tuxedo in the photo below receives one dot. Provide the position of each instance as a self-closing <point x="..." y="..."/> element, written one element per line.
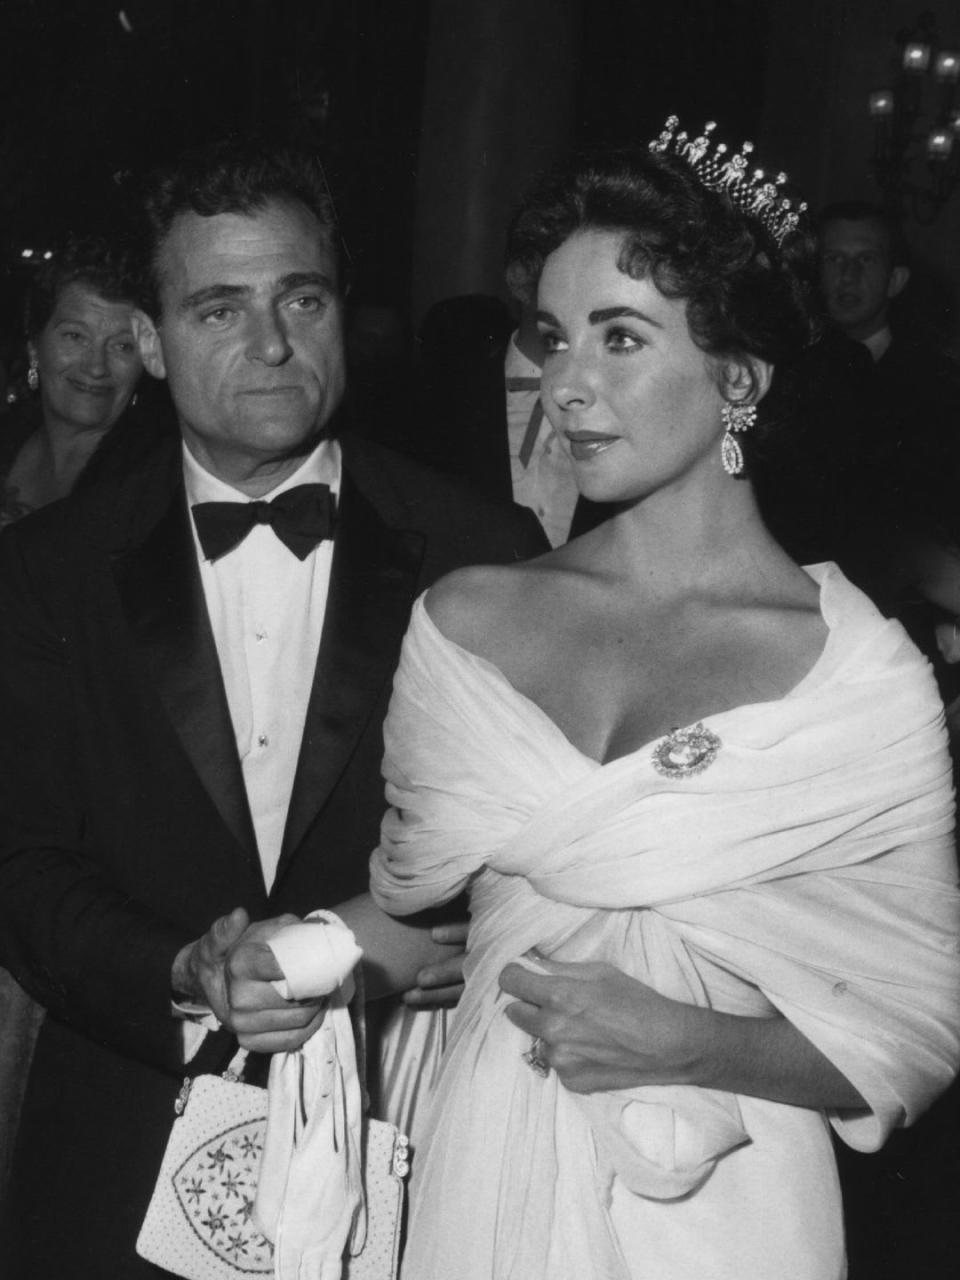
<point x="195" y="662"/>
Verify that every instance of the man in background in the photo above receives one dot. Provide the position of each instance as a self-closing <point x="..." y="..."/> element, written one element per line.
<point x="864" y="266"/>
<point x="864" y="275"/>
<point x="908" y="460"/>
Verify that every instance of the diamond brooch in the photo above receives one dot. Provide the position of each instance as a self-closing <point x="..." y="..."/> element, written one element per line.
<point x="684" y="752"/>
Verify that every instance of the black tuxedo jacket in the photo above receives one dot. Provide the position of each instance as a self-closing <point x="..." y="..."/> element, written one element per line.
<point x="125" y="827"/>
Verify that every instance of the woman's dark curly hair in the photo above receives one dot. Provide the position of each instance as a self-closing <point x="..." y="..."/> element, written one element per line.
<point x="745" y="295"/>
<point x="108" y="267"/>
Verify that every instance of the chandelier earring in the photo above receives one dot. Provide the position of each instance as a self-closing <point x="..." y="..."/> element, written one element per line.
<point x="33" y="375"/>
<point x="735" y="417"/>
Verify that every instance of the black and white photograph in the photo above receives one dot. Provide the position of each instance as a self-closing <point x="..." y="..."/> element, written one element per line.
<point x="479" y="640"/>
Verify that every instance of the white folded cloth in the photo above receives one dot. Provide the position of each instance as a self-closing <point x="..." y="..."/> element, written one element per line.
<point x="310" y="1195"/>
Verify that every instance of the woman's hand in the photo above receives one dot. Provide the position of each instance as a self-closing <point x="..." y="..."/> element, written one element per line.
<point x="601" y="1029"/>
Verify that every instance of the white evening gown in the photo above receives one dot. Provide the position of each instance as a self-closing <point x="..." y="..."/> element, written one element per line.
<point x="808" y="870"/>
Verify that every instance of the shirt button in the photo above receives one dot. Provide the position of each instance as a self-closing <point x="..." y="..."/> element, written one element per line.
<point x="263" y="740"/>
<point x="261" y="635"/>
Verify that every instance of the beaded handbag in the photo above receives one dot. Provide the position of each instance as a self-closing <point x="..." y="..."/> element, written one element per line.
<point x="198" y="1222"/>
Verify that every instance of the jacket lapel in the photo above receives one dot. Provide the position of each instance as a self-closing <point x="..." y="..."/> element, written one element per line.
<point x="162" y="598"/>
<point x="373" y="580"/>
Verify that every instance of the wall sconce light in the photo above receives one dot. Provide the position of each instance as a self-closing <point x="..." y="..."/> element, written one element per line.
<point x="947" y="66"/>
<point x="940" y="144"/>
<point x="916" y="57"/>
<point x="881" y="103"/>
<point x="916" y="122"/>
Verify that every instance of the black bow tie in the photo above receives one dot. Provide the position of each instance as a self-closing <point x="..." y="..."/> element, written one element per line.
<point x="301" y="517"/>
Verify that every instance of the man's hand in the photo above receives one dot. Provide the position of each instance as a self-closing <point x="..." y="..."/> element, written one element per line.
<point x="232" y="969"/>
<point x="440" y="984"/>
<point x="601" y="1029"/>
<point x="198" y="969"/>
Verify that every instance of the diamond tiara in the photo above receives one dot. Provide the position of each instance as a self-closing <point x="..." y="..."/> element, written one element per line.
<point x="755" y="193"/>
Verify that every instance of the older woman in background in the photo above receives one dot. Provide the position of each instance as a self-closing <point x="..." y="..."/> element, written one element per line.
<point x="84" y="367"/>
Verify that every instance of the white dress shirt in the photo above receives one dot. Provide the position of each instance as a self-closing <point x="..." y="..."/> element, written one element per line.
<point x="878" y="344"/>
<point x="266" y="610"/>
<point x="546" y="485"/>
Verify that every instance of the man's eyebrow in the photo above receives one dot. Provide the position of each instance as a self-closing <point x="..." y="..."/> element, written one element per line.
<point x="211" y="293"/>
<point x="617" y="313"/>
<point x="221" y="292"/>
<point x="304" y="279"/>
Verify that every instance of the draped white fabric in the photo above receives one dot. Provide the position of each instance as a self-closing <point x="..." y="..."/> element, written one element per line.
<point x="808" y="870"/>
<point x="411" y="1048"/>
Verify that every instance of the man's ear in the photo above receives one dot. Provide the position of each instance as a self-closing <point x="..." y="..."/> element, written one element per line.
<point x="899" y="279"/>
<point x="148" y="340"/>
<point x="746" y="380"/>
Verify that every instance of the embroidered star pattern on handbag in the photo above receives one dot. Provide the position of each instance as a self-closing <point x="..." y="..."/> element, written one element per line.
<point x="198" y="1222"/>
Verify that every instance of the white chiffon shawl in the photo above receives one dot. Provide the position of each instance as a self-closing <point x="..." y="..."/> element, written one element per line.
<point x="809" y="870"/>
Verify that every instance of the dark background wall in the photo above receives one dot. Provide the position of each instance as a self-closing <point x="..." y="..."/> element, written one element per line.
<point x="434" y="115"/>
<point x="512" y="85"/>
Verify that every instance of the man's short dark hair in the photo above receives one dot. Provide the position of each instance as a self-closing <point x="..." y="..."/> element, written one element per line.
<point x="866" y="211"/>
<point x="232" y="176"/>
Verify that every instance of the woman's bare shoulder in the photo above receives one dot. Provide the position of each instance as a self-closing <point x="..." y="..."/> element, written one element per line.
<point x="471" y="603"/>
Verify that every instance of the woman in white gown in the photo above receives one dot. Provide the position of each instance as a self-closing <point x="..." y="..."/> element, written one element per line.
<point x="691" y="949"/>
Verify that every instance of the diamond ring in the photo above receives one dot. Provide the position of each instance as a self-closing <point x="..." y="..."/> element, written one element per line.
<point x="534" y="1058"/>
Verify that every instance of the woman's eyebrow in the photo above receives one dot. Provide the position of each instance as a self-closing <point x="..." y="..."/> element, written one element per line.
<point x="617" y="313"/>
